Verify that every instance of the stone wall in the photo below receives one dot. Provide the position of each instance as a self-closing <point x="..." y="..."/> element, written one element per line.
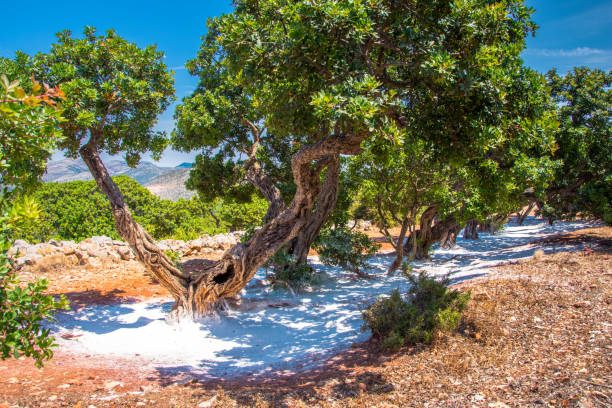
<point x="105" y="248"/>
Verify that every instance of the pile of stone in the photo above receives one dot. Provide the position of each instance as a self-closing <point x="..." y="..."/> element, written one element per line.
<point x="101" y="247"/>
<point x="362" y="225"/>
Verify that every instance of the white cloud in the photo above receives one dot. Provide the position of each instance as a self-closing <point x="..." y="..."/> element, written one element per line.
<point x="576" y="52"/>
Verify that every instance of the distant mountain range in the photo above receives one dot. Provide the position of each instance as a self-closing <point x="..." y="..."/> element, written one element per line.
<point x="171" y="184"/>
<point x="166" y="182"/>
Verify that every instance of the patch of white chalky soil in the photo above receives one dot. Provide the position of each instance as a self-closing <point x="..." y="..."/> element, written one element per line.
<point x="275" y="331"/>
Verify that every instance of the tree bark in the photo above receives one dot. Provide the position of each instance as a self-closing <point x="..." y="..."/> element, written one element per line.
<point x="493" y="223"/>
<point x="522" y="216"/>
<point x="418" y="242"/>
<point x="196" y="294"/>
<point x="399" y="248"/>
<point x="271" y="193"/>
<point x="328" y="197"/>
<point x="450" y="238"/>
<point x="470" y="231"/>
<point x="143" y="246"/>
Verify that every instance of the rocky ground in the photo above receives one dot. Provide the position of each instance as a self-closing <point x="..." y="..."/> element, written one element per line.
<point x="537" y="333"/>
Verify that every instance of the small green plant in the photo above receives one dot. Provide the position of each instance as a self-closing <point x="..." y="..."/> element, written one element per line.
<point x="287" y="273"/>
<point x="429" y="307"/>
<point x="173" y="255"/>
<point x="248" y="233"/>
<point x="345" y="248"/>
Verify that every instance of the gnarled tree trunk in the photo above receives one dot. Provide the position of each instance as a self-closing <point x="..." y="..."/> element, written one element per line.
<point x="300" y="245"/>
<point x="449" y="240"/>
<point x="418" y="242"/>
<point x="197" y="293"/>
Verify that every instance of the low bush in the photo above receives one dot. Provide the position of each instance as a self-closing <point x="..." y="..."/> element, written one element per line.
<point x="429" y="307"/>
<point x="345" y="248"/>
<point x="282" y="269"/>
<point x="286" y="272"/>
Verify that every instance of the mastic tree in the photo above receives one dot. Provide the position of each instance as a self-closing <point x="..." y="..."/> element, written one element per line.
<point x="114" y="92"/>
<point x="29" y="132"/>
<point x="400" y="183"/>
<point x="583" y="183"/>
<point x="330" y="75"/>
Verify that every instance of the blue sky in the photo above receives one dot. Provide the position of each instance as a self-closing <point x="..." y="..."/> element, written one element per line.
<point x="572" y="32"/>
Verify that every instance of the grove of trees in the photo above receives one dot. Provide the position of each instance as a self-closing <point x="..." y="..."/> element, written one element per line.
<point x="414" y="114"/>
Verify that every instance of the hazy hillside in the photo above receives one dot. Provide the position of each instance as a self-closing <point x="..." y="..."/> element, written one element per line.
<point x="171" y="185"/>
<point x="71" y="170"/>
<point x="165" y="182"/>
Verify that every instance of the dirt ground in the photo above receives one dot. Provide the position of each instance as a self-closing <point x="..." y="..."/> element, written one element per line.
<point x="537" y="333"/>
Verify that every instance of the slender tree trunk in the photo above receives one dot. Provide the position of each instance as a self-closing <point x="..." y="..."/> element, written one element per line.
<point x="197" y="293"/>
<point x="399" y="252"/>
<point x="470" y="231"/>
<point x="522" y="216"/>
<point x="217" y="220"/>
<point x="271" y="193"/>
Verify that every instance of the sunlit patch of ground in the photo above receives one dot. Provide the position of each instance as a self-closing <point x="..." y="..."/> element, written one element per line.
<point x="538" y="333"/>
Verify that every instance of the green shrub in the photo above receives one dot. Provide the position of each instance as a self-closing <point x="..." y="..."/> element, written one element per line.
<point x="430" y="306"/>
<point x="23" y="308"/>
<point x="286" y="272"/>
<point x="77" y="210"/>
<point x="345" y="248"/>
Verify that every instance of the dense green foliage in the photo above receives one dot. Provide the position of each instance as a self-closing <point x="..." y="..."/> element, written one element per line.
<point x="113" y="89"/>
<point x="77" y="210"/>
<point x="345" y="248"/>
<point x="401" y="182"/>
<point x="28" y="131"/>
<point x="285" y="272"/>
<point x="375" y="67"/>
<point x="429" y="307"/>
<point x="583" y="184"/>
<point x="22" y="312"/>
<point x="277" y="76"/>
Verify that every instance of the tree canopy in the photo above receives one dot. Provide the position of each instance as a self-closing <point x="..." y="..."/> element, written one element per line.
<point x="113" y="90"/>
<point x="583" y="184"/>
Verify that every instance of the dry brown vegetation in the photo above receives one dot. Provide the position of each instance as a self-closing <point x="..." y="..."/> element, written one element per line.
<point x="537" y="333"/>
